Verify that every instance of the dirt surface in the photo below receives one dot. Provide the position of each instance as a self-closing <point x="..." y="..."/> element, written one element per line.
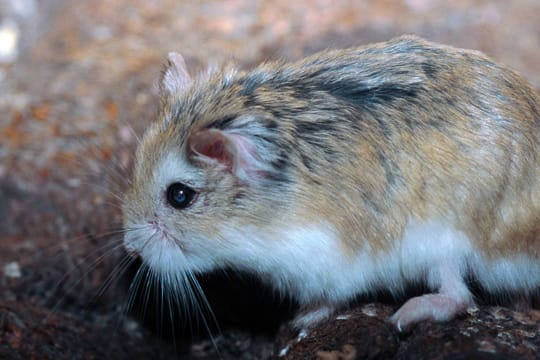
<point x="77" y="80"/>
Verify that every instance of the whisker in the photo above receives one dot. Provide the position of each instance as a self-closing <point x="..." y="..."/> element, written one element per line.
<point x="131" y="130"/>
<point x="134" y="288"/>
<point x="114" y="275"/>
<point x="115" y="172"/>
<point x="201" y="297"/>
<point x="110" y="246"/>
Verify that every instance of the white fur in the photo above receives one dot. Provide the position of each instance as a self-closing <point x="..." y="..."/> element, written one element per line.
<point x="174" y="168"/>
<point x="310" y="262"/>
<point x="305" y="260"/>
<point x="512" y="274"/>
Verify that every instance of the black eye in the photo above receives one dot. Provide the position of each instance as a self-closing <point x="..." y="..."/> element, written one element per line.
<point x="180" y="196"/>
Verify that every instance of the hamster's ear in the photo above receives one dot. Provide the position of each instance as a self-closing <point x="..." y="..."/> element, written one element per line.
<point x="175" y="78"/>
<point x="232" y="150"/>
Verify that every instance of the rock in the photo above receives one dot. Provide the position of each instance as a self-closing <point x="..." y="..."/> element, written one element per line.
<point x="363" y="333"/>
<point x="32" y="332"/>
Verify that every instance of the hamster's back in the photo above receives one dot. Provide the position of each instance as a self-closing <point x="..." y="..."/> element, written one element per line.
<point x="407" y="129"/>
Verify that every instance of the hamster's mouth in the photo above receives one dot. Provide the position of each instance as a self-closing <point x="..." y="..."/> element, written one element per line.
<point x="164" y="235"/>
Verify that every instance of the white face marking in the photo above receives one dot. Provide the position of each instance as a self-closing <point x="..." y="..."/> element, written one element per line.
<point x="156" y="237"/>
<point x="173" y="168"/>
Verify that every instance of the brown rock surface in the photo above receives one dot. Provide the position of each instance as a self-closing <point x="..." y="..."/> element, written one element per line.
<point x="31" y="332"/>
<point x="362" y="333"/>
<point x="80" y="77"/>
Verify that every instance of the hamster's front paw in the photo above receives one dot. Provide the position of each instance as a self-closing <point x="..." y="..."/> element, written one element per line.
<point x="310" y="316"/>
<point x="306" y="319"/>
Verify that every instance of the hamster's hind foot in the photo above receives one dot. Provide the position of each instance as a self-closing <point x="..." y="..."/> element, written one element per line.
<point x="436" y="307"/>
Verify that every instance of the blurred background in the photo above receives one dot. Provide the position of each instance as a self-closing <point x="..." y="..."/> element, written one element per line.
<point x="77" y="76"/>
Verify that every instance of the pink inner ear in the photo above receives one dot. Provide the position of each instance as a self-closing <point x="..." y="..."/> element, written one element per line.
<point x="233" y="151"/>
<point x="214" y="145"/>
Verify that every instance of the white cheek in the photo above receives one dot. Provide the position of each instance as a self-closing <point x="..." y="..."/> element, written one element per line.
<point x="164" y="258"/>
<point x="155" y="251"/>
<point x="162" y="255"/>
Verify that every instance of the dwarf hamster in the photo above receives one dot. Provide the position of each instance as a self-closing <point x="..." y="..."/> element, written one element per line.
<point x="343" y="173"/>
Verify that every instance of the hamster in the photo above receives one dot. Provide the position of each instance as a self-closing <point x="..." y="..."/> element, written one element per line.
<point x="344" y="173"/>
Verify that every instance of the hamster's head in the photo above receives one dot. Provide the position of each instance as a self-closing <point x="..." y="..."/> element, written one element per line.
<point x="202" y="169"/>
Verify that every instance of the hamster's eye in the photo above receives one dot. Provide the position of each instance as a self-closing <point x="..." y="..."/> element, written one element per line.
<point x="180" y="196"/>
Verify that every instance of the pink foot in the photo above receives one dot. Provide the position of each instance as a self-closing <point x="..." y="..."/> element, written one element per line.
<point x="436" y="307"/>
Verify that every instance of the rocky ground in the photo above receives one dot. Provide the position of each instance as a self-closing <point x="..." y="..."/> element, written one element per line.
<point x="77" y="87"/>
